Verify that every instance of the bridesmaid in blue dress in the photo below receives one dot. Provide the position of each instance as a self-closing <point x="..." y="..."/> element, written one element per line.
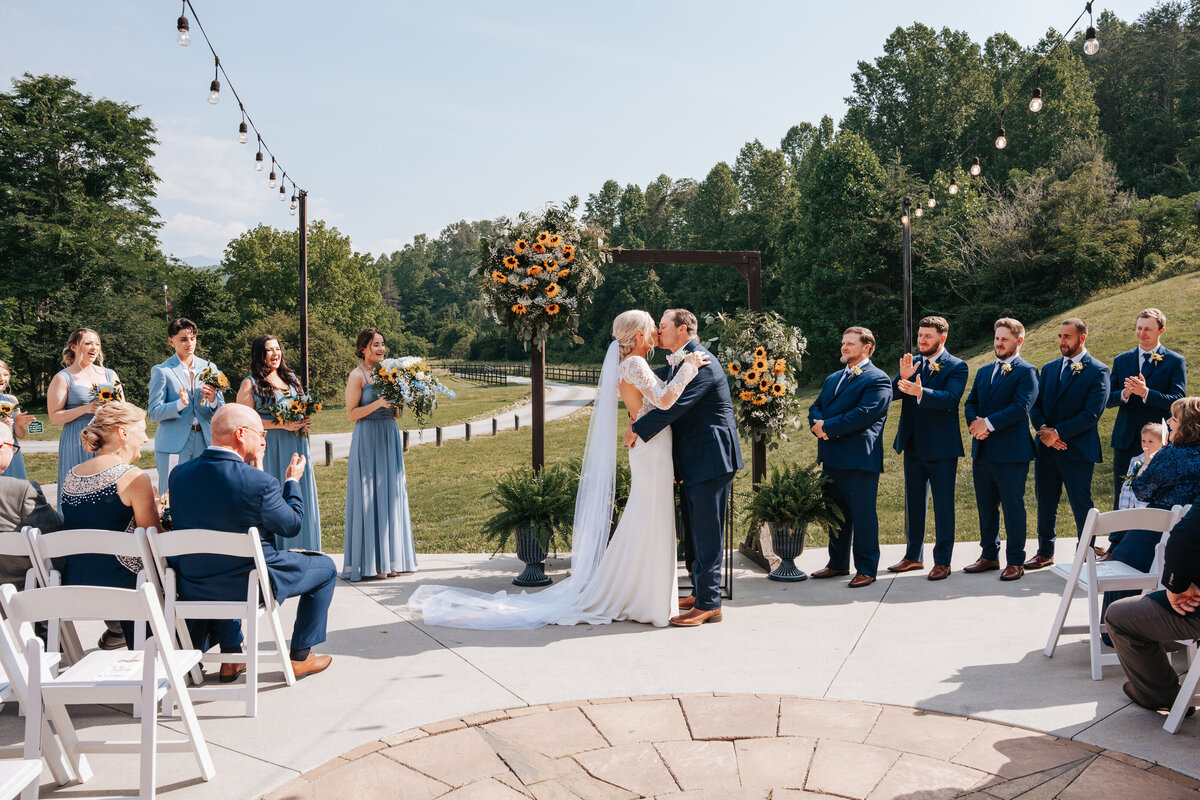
<point x="379" y="536"/>
<point x="107" y="492"/>
<point x="19" y="423"/>
<point x="69" y="399"/>
<point x="270" y="381"/>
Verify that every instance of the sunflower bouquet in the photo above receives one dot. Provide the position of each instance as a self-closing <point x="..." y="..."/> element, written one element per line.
<point x="761" y="354"/>
<point x="296" y="409"/>
<point x="538" y="273"/>
<point x="7" y="411"/>
<point x="408" y="382"/>
<point x="106" y="392"/>
<point x="211" y="376"/>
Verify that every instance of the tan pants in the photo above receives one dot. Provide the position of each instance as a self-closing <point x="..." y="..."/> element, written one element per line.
<point x="1139" y="628"/>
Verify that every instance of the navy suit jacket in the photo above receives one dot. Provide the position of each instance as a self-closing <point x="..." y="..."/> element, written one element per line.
<point x="704" y="434"/>
<point x="854" y="418"/>
<point x="1072" y="406"/>
<point x="929" y="429"/>
<point x="1166" y="381"/>
<point x="220" y="492"/>
<point x="1006" y="405"/>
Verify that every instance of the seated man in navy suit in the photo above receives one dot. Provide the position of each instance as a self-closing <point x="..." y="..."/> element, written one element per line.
<point x="848" y="419"/>
<point x="929" y="388"/>
<point x="997" y="413"/>
<point x="1072" y="393"/>
<point x="1145" y="382"/>
<point x="225" y="489"/>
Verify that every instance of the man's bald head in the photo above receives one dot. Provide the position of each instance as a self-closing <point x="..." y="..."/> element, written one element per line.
<point x="228" y="418"/>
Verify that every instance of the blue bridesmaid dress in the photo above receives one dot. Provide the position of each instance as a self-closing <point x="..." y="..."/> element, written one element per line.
<point x="16" y="468"/>
<point x="281" y="444"/>
<point x="379" y="535"/>
<point x="70" y="448"/>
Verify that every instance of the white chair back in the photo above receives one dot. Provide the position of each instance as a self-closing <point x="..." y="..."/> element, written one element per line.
<point x="16" y="543"/>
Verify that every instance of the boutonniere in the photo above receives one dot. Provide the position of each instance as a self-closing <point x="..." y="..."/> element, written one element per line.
<point x="1137" y="468"/>
<point x="1156" y="357"/>
<point x="935" y="366"/>
<point x="1077" y="367"/>
<point x="855" y="372"/>
<point x="1005" y="369"/>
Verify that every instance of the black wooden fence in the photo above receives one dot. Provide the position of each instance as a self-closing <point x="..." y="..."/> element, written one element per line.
<point x="499" y="373"/>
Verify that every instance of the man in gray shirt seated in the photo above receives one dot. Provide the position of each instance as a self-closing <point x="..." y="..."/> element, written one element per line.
<point x="21" y="503"/>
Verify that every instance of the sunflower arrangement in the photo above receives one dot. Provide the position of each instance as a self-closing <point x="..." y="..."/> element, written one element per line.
<point x="538" y="273"/>
<point x="211" y="376"/>
<point x="762" y="355"/>
<point x="107" y="392"/>
<point x="408" y="382"/>
<point x="296" y="409"/>
<point x="7" y="410"/>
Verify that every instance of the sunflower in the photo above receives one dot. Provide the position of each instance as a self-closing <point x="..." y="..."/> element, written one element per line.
<point x="296" y="407"/>
<point x="105" y="395"/>
<point x="520" y="246"/>
<point x="6" y="408"/>
<point x="222" y="381"/>
<point x="760" y="400"/>
<point x="746" y="395"/>
<point x="760" y="364"/>
<point x="534" y="270"/>
<point x="519" y="309"/>
<point x="498" y="276"/>
<point x="554" y="241"/>
<point x="511" y="262"/>
<point x="393" y="375"/>
<point x="317" y="407"/>
<point x="760" y="353"/>
<point x="551" y="289"/>
<point x="777" y="389"/>
<point x="552" y="309"/>
<point x="543" y="237"/>
<point x="278" y="419"/>
<point x="568" y="252"/>
<point x="539" y="248"/>
<point x="750" y="377"/>
<point x="562" y="273"/>
<point x="551" y="263"/>
<point x="780" y="366"/>
<point x="735" y="368"/>
<point x="764" y="385"/>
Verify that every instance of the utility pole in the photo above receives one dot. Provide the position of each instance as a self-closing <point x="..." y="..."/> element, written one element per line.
<point x="304" y="289"/>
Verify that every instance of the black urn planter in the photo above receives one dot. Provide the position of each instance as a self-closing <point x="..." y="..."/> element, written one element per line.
<point x="530" y="551"/>
<point x="788" y="544"/>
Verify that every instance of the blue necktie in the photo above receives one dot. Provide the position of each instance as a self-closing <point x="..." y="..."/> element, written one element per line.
<point x="1145" y="361"/>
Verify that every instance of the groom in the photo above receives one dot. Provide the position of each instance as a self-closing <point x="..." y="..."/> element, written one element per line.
<point x="706" y="455"/>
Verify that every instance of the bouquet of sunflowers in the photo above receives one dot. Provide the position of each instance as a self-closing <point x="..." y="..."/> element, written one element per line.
<point x="537" y="273"/>
<point x="211" y="376"/>
<point x="408" y="382"/>
<point x="761" y="354"/>
<point x="7" y="411"/>
<point x="106" y="392"/>
<point x="296" y="409"/>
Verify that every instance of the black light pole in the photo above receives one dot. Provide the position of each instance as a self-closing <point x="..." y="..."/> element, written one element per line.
<point x="304" y="288"/>
<point x="906" y="224"/>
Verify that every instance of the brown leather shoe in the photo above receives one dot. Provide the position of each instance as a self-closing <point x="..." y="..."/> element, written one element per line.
<point x="826" y="572"/>
<point x="695" y="617"/>
<point x="1037" y="562"/>
<point x="860" y="580"/>
<point x="983" y="565"/>
<point x="1012" y="572"/>
<point x="1129" y="692"/>
<point x="904" y="565"/>
<point x="687" y="603"/>
<point x="939" y="572"/>
<point x="314" y="663"/>
<point x="230" y="672"/>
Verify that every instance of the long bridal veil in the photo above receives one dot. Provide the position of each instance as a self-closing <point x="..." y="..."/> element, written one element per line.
<point x="564" y="602"/>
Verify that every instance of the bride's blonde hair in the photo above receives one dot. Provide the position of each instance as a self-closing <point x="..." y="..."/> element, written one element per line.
<point x="626" y="327"/>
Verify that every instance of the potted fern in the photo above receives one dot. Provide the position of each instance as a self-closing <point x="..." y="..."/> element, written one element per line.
<point x="785" y="505"/>
<point x="535" y="507"/>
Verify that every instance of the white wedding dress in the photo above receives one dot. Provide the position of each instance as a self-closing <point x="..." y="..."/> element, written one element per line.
<point x="634" y="577"/>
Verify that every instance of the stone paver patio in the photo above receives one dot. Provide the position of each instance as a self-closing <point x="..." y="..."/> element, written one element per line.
<point x="730" y="747"/>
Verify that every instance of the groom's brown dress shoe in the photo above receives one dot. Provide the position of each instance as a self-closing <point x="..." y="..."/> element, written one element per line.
<point x="1129" y="692"/>
<point x="1012" y="572"/>
<point x="939" y="572"/>
<point x="904" y="565"/>
<point x="314" y="663"/>
<point x="229" y="672"/>
<point x="860" y="580"/>
<point x="1037" y="562"/>
<point x="983" y="565"/>
<point x="687" y="603"/>
<point x="696" y="616"/>
<point x="826" y="572"/>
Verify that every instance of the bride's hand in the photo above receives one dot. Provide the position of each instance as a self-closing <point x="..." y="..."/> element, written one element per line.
<point x="697" y="358"/>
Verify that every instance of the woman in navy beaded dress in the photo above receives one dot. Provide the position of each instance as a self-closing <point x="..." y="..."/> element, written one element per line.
<point x="270" y="381"/>
<point x="69" y="399"/>
<point x="107" y="492"/>
<point x="379" y="536"/>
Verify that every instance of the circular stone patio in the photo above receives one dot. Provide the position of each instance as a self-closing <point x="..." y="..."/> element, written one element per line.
<point x="730" y="747"/>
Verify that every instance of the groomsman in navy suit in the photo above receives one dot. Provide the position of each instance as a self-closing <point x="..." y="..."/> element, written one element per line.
<point x="1072" y="393"/>
<point x="929" y="388"/>
<point x="182" y="409"/>
<point x="848" y="419"/>
<point x="225" y="489"/>
<point x="997" y="413"/>
<point x="1145" y="382"/>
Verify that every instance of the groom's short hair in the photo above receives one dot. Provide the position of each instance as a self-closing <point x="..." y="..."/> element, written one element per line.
<point x="864" y="335"/>
<point x="681" y="316"/>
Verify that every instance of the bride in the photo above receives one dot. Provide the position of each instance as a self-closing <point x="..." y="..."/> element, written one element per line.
<point x="634" y="578"/>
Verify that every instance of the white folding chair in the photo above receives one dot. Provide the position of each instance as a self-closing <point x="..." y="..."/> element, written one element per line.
<point x="1095" y="578"/>
<point x="258" y="604"/>
<point x="106" y="676"/>
<point x="60" y="544"/>
<point x="16" y="544"/>
<point x="17" y="776"/>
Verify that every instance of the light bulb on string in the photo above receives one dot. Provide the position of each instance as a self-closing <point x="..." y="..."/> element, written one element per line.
<point x="1091" y="45"/>
<point x="242" y="131"/>
<point x="282" y="193"/>
<point x="214" y="88"/>
<point x="1001" y="139"/>
<point x="976" y="168"/>
<point x="181" y="25"/>
<point x="1035" y="102"/>
<point x="920" y="212"/>
<point x="904" y="217"/>
<point x="932" y="200"/>
<point x="271" y="177"/>
<point x="953" y="188"/>
<point x="258" y="158"/>
<point x="292" y="207"/>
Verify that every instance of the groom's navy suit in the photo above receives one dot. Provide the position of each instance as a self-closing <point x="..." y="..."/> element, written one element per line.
<point x="1070" y="400"/>
<point x="707" y="455"/>
<point x="218" y="491"/>
<point x="854" y="411"/>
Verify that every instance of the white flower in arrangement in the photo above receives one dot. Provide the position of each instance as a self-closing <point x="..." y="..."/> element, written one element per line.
<point x="409" y="361"/>
<point x="421" y="375"/>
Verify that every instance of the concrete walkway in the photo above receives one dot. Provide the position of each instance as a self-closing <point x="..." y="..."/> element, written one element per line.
<point x="969" y="647"/>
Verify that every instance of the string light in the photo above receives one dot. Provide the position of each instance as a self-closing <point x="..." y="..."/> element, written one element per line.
<point x="258" y="158"/>
<point x="214" y="88"/>
<point x="975" y="167"/>
<point x="1091" y="44"/>
<point x="282" y="194"/>
<point x="932" y="200"/>
<point x="292" y="207"/>
<point x="1001" y="139"/>
<point x="181" y="25"/>
<point x="242" y="133"/>
<point x="904" y="217"/>
<point x="1035" y="102"/>
<point x="271" y="177"/>
<point x="920" y="212"/>
<point x="953" y="186"/>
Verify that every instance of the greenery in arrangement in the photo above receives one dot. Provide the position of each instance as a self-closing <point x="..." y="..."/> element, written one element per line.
<point x="761" y="354"/>
<point x="543" y="501"/>
<point x="793" y="497"/>
<point x="537" y="273"/>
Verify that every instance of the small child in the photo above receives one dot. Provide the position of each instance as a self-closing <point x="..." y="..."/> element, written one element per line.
<point x="1152" y="442"/>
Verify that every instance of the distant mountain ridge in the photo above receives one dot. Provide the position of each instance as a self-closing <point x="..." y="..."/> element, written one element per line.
<point x="201" y="262"/>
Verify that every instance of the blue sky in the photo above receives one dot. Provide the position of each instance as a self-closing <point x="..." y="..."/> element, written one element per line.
<point x="402" y="117"/>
